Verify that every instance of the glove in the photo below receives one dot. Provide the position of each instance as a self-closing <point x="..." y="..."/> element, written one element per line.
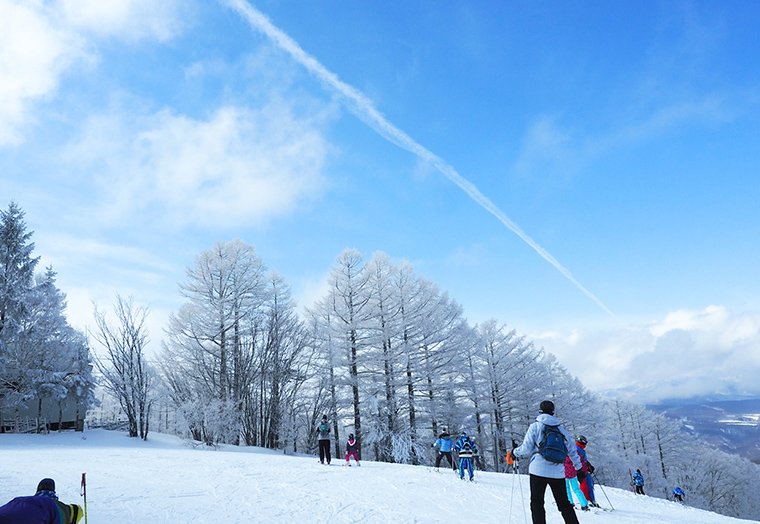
<point x="514" y="444"/>
<point x="581" y="475"/>
<point x="590" y="467"/>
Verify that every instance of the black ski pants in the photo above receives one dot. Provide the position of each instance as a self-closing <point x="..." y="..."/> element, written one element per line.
<point x="446" y="454"/>
<point x="537" y="492"/>
<point x="324" y="451"/>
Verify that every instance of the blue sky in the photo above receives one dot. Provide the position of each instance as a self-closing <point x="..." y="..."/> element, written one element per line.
<point x="620" y="139"/>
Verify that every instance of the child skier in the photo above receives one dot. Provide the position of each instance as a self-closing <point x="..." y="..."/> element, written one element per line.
<point x="352" y="450"/>
<point x="513" y="462"/>
<point x="466" y="449"/>
<point x="444" y="445"/>
<point x="587" y="486"/>
<point x="678" y="494"/>
<point x="638" y="482"/>
<point x="571" y="484"/>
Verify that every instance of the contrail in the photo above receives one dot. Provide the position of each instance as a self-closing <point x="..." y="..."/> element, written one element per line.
<point x="365" y="110"/>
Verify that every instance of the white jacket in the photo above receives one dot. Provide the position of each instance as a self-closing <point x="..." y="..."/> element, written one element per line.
<point x="539" y="466"/>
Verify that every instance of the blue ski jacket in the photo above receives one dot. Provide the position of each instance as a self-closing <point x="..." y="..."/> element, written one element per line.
<point x="445" y="443"/>
<point x="40" y="509"/>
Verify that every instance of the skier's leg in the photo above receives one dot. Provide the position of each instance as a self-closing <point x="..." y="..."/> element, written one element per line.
<point x="321" y="452"/>
<point x="438" y="460"/>
<point x="573" y="483"/>
<point x="563" y="505"/>
<point x="537" y="490"/>
<point x="590" y="481"/>
<point x="461" y="468"/>
<point x="584" y="488"/>
<point x="569" y="492"/>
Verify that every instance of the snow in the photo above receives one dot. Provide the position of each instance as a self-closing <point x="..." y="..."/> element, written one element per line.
<point x="170" y="480"/>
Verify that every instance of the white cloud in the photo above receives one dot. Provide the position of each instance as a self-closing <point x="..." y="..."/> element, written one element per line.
<point x="39" y="41"/>
<point x="687" y="353"/>
<point x="127" y="19"/>
<point x="34" y="51"/>
<point x="312" y="291"/>
<point x="239" y="166"/>
<point x="547" y="150"/>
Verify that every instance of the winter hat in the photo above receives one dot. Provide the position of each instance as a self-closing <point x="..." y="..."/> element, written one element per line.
<point x="547" y="406"/>
<point x="46" y="485"/>
<point x="351" y="436"/>
<point x="324" y="417"/>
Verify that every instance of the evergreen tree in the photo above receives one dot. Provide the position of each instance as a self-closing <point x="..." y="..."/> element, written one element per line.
<point x="41" y="355"/>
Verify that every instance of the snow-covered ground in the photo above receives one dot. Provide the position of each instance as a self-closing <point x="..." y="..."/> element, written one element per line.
<point x="168" y="480"/>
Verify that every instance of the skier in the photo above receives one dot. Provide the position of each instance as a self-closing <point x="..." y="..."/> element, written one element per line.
<point x="41" y="508"/>
<point x="571" y="484"/>
<point x="352" y="449"/>
<point x="513" y="462"/>
<point x="678" y="494"/>
<point x="324" y="440"/>
<point x="544" y="472"/>
<point x="444" y="445"/>
<point x="588" y="485"/>
<point x="638" y="482"/>
<point x="466" y="449"/>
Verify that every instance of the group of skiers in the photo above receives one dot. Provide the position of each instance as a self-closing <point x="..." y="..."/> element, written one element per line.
<point x="465" y="448"/>
<point x="323" y="432"/>
<point x="563" y="468"/>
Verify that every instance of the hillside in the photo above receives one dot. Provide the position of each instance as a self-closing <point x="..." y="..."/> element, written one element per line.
<point x="730" y="425"/>
<point x="167" y="480"/>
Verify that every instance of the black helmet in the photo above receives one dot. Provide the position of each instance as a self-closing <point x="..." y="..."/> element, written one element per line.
<point x="581" y="439"/>
<point x="351" y="436"/>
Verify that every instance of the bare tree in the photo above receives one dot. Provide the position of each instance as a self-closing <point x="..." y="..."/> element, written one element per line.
<point x="127" y="374"/>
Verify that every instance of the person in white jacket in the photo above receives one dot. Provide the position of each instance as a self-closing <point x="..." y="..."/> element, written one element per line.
<point x="545" y="473"/>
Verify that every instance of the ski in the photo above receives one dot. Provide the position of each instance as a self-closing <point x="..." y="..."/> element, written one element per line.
<point x="633" y="487"/>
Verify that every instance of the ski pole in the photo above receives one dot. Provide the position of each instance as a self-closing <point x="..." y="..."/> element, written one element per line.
<point x="522" y="497"/>
<point x="602" y="488"/>
<point x="84" y="494"/>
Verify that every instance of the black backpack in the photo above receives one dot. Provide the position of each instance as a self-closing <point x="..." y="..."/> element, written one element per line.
<point x="552" y="446"/>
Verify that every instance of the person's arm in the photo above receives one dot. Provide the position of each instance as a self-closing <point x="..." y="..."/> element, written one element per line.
<point x="69" y="513"/>
<point x="529" y="442"/>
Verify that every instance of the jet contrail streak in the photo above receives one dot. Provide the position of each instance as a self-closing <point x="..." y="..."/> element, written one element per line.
<point x="364" y="109"/>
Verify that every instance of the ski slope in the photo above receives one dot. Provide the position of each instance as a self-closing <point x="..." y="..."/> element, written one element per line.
<point x="167" y="480"/>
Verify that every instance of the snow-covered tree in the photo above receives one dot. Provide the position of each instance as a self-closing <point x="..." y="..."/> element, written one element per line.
<point x="41" y="356"/>
<point x="347" y="311"/>
<point x="211" y="340"/>
<point x="16" y="284"/>
<point x="128" y="375"/>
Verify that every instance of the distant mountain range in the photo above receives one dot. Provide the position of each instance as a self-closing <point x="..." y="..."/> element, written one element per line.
<point x="731" y="425"/>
